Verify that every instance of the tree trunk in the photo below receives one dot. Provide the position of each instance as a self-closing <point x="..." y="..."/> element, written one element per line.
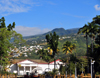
<point x="92" y="44"/>
<point x="87" y="53"/>
<point x="1" y="63"/>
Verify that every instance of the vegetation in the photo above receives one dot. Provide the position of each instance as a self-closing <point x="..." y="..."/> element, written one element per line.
<point x="45" y="55"/>
<point x="52" y="42"/>
<point x="90" y="45"/>
<point x="92" y="30"/>
<point x="6" y="33"/>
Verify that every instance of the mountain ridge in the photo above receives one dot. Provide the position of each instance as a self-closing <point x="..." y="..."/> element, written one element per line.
<point x="59" y="31"/>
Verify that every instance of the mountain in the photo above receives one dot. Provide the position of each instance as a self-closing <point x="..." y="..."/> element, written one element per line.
<point x="62" y="31"/>
<point x="59" y="31"/>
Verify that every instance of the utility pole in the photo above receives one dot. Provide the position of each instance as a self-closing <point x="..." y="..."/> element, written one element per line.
<point x="75" y="67"/>
<point x="92" y="68"/>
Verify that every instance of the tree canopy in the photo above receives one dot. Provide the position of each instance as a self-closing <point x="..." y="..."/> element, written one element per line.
<point x="6" y="33"/>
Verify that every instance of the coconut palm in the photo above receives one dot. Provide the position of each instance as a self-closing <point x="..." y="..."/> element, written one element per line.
<point x="93" y="29"/>
<point x="97" y="19"/>
<point x="85" y="30"/>
<point x="68" y="47"/>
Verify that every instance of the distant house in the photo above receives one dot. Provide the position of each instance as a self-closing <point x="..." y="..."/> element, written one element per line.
<point x="23" y="66"/>
<point x="15" y="52"/>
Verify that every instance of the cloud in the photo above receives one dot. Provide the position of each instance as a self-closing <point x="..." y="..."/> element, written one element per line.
<point x="15" y="6"/>
<point x="97" y="7"/>
<point x="28" y="31"/>
<point x="73" y="15"/>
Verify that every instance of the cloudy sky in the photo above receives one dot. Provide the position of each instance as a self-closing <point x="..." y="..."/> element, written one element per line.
<point x="34" y="17"/>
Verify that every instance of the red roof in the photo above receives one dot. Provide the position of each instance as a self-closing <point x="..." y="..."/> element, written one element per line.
<point x="36" y="61"/>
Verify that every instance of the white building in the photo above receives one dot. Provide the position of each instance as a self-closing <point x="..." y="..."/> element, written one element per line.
<point x="23" y="66"/>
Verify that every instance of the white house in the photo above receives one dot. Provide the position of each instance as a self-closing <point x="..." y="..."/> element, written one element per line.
<point x="23" y="66"/>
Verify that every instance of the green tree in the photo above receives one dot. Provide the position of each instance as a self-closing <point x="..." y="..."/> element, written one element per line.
<point x="68" y="47"/>
<point x="97" y="40"/>
<point x="71" y="68"/>
<point x="45" y="55"/>
<point x="85" y="30"/>
<point x="97" y="19"/>
<point x="81" y="64"/>
<point x="63" y="68"/>
<point x="6" y="33"/>
<point x="52" y="42"/>
<point x="93" y="29"/>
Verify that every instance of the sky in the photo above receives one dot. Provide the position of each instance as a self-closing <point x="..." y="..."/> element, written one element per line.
<point x="34" y="17"/>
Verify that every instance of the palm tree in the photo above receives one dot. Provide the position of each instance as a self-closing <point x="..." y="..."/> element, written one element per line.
<point x="68" y="47"/>
<point x="85" y="30"/>
<point x="52" y="42"/>
<point x="93" y="29"/>
<point x="97" y="19"/>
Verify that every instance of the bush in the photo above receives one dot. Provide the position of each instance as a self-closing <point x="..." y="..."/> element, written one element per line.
<point x="97" y="73"/>
<point x="52" y="72"/>
<point x="2" y="72"/>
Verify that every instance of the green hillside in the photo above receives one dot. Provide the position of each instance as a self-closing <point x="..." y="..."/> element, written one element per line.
<point x="64" y="35"/>
<point x="59" y="31"/>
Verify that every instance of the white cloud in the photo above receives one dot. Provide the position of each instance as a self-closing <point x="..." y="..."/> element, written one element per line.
<point x="97" y="7"/>
<point x="28" y="31"/>
<point x="15" y="6"/>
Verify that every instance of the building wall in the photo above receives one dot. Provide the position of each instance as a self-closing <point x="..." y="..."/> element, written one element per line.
<point x="43" y="67"/>
<point x="13" y="68"/>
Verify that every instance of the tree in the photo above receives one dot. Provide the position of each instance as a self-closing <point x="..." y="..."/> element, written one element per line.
<point x="93" y="29"/>
<point x="97" y="19"/>
<point x="81" y="64"/>
<point x="45" y="55"/>
<point x="68" y="47"/>
<point x="85" y="30"/>
<point x="52" y="42"/>
<point x="63" y="67"/>
<point x="6" y="33"/>
<point x="97" y="40"/>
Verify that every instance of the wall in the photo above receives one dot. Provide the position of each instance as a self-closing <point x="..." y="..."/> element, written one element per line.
<point x="13" y="67"/>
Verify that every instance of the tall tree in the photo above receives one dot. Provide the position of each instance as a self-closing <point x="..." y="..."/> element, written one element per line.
<point x="93" y="29"/>
<point x="97" y="19"/>
<point x="85" y="30"/>
<point x="2" y="22"/>
<point x="52" y="42"/>
<point x="97" y="40"/>
<point x="6" y="33"/>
